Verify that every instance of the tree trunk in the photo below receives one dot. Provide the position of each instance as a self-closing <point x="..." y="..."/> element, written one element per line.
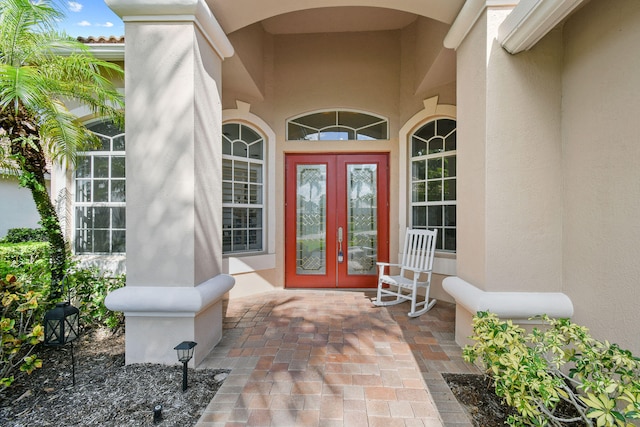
<point x="27" y="150"/>
<point x="51" y="225"/>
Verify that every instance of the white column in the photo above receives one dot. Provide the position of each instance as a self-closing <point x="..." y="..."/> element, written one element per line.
<point x="509" y="161"/>
<point x="173" y="55"/>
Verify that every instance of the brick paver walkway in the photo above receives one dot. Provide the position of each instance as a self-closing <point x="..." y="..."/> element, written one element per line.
<point x="330" y="358"/>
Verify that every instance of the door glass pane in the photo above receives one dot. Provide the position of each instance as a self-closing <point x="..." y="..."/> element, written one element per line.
<point x="311" y="208"/>
<point x="362" y="219"/>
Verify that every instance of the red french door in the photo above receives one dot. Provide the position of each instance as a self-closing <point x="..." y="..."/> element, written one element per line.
<point x="336" y="219"/>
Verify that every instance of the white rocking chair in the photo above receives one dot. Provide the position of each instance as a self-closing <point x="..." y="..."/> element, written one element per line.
<point x="417" y="260"/>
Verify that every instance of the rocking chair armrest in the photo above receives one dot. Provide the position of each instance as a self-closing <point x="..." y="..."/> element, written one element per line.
<point x="382" y="265"/>
<point x="417" y="270"/>
<point x="387" y="264"/>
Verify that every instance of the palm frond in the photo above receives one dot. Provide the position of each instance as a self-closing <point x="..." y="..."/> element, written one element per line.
<point x="63" y="134"/>
<point x="43" y="71"/>
<point x="21" y="86"/>
<point x="20" y="21"/>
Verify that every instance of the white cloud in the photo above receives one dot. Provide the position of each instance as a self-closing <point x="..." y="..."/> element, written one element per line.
<point x="106" y="24"/>
<point x="84" y="24"/>
<point x="74" y="6"/>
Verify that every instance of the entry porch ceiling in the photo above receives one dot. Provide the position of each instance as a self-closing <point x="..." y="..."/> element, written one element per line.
<point x="338" y="19"/>
<point x="236" y="14"/>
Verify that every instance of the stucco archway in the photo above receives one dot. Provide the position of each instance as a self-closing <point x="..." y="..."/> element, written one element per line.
<point x="236" y="14"/>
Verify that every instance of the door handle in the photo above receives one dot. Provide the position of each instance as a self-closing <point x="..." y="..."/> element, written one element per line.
<point x="340" y="254"/>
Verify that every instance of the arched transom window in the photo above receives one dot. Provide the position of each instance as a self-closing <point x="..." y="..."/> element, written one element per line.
<point x="337" y="125"/>
<point x="433" y="180"/>
<point x="242" y="189"/>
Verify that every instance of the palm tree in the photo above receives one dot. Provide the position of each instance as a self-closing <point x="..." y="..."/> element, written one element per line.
<point x="42" y="71"/>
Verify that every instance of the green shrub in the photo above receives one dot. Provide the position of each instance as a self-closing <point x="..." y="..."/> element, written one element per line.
<point x="534" y="372"/>
<point x="21" y="235"/>
<point x="25" y="296"/>
<point x="89" y="287"/>
<point x="29" y="262"/>
<point x="20" y="329"/>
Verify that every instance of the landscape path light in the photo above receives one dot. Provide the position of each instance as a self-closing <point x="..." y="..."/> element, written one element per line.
<point x="62" y="326"/>
<point x="185" y="353"/>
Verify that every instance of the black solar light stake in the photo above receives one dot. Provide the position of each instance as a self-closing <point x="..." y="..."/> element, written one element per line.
<point x="185" y="353"/>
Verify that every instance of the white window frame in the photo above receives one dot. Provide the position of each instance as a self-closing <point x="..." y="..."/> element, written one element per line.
<point x="426" y="203"/>
<point x="261" y="184"/>
<point x="444" y="262"/>
<point x="92" y="204"/>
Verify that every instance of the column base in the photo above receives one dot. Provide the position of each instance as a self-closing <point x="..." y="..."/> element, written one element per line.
<point x="159" y="318"/>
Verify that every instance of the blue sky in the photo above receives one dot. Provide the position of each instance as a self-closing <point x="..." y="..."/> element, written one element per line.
<point x="90" y="18"/>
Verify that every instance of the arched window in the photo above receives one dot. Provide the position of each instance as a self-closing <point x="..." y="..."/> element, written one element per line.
<point x="100" y="199"/>
<point x="337" y="125"/>
<point x="243" y="171"/>
<point x="433" y="180"/>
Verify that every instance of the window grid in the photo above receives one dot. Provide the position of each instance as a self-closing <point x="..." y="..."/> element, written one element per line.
<point x="337" y="125"/>
<point x="100" y="194"/>
<point x="433" y="181"/>
<point x="243" y="173"/>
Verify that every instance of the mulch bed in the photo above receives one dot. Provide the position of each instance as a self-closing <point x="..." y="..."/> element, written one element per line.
<point x="476" y="394"/>
<point x="107" y="393"/>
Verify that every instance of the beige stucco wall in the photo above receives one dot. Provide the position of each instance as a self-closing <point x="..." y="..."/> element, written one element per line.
<point x="471" y="158"/>
<point x="509" y="162"/>
<point x="548" y="181"/>
<point x="600" y="106"/>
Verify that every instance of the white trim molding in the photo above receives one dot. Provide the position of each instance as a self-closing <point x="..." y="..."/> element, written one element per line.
<point x="176" y="11"/>
<point x="466" y="19"/>
<point x="531" y="20"/>
<point x="107" y="51"/>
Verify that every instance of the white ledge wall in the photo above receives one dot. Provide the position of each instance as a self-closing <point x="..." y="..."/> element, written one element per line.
<point x="517" y="306"/>
<point x="175" y="289"/>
